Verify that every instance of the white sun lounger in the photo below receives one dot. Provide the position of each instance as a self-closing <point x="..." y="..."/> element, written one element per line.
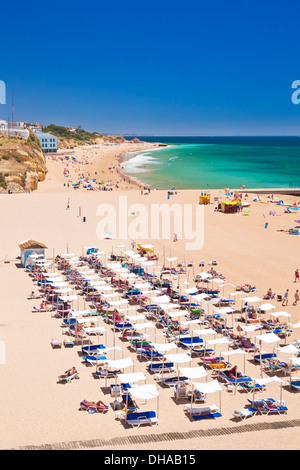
<point x="243" y="414"/>
<point x="198" y="410"/>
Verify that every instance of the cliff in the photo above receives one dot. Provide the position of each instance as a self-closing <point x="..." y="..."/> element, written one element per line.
<point x="22" y="163"/>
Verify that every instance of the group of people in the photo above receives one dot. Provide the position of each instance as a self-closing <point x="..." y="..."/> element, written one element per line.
<point x="285" y="300"/>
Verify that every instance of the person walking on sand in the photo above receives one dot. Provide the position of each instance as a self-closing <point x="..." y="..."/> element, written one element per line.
<point x="296" y="298"/>
<point x="297" y="275"/>
<point x="285" y="298"/>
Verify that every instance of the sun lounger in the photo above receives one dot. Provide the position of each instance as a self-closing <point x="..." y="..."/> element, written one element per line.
<point x="161" y="367"/>
<point x="190" y="342"/>
<point x="68" y="322"/>
<point x="249" y="387"/>
<point x="203" y="412"/>
<point x="68" y="378"/>
<point x="243" y="414"/>
<point x="268" y="406"/>
<point x="260" y="357"/>
<point x="115" y="390"/>
<point x="218" y="365"/>
<point x="129" y="402"/>
<point x="94" y="359"/>
<point x="68" y="342"/>
<point x="235" y="380"/>
<point x="43" y="309"/>
<point x="92" y="407"/>
<point x="173" y="381"/>
<point x="149" y="353"/>
<point x="56" y="343"/>
<point x="91" y="349"/>
<point x="137" y="418"/>
<point x="124" y="326"/>
<point x="295" y="384"/>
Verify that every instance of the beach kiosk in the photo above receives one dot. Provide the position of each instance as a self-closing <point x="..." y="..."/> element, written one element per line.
<point x="30" y="247"/>
<point x="229" y="207"/>
<point x="204" y="199"/>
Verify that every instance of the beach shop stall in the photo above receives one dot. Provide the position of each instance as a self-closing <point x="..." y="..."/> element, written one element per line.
<point x="229" y="207"/>
<point x="204" y="199"/>
<point x="31" y="247"/>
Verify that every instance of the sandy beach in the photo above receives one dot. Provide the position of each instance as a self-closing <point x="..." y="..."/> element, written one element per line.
<point x="37" y="412"/>
<point x="101" y="162"/>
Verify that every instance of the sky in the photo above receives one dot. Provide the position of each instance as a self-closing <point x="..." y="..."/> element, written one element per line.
<point x="153" y="68"/>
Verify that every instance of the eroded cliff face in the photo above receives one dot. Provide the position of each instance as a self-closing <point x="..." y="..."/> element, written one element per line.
<point x="22" y="164"/>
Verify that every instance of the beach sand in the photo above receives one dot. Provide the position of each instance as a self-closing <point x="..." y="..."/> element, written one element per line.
<point x="102" y="162"/>
<point x="36" y="411"/>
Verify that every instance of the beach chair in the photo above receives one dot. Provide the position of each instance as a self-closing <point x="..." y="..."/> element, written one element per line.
<point x="44" y="309"/>
<point x="149" y="353"/>
<point x="173" y="381"/>
<point x="68" y="343"/>
<point x="295" y="384"/>
<point x="128" y="402"/>
<point x="91" y="349"/>
<point x="236" y="380"/>
<point x="261" y="357"/>
<point x="215" y="366"/>
<point x="136" y="419"/>
<point x="268" y="406"/>
<point x="250" y="387"/>
<point x="203" y="412"/>
<point x="92" y="407"/>
<point x="244" y="414"/>
<point x="161" y="367"/>
<point x="68" y="378"/>
<point x="181" y="392"/>
<point x="93" y="360"/>
<point x="187" y="343"/>
<point x="116" y="390"/>
<point x="56" y="343"/>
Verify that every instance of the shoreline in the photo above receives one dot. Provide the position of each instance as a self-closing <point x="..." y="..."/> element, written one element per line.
<point x="123" y="158"/>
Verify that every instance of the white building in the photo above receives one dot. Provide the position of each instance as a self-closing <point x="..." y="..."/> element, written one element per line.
<point x="14" y="129"/>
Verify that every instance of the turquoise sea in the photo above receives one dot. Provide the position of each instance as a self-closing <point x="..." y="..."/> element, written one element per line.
<point x="217" y="162"/>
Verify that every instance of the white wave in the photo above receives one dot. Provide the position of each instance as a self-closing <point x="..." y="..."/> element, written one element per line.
<point x="139" y="163"/>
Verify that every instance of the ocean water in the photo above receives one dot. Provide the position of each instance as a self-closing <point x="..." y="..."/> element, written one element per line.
<point x="217" y="162"/>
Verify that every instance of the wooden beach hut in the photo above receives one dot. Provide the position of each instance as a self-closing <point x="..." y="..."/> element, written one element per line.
<point x="30" y="247"/>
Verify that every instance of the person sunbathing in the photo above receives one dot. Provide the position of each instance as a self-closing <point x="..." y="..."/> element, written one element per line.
<point x="269" y="294"/>
<point x="107" y="373"/>
<point x="101" y="405"/>
<point x="233" y="373"/>
<point x="68" y="373"/>
<point x="98" y="404"/>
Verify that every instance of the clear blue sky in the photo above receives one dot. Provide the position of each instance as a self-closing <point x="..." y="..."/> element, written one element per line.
<point x="159" y="67"/>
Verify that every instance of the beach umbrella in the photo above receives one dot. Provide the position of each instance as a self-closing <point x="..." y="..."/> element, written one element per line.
<point x="233" y="353"/>
<point x="265" y="381"/>
<point x="295" y="361"/>
<point x="146" y="392"/>
<point x="178" y="359"/>
<point x="197" y="372"/>
<point x="269" y="338"/>
<point x="209" y="387"/>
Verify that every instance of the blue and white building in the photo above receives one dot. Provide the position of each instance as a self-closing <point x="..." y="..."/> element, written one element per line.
<point x="48" y="142"/>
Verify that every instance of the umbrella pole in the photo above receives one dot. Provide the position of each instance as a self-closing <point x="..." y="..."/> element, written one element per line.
<point x="192" y="397"/>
